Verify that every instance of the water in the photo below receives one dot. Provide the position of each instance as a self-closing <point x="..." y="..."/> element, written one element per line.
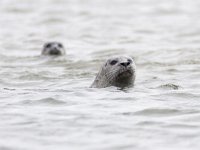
<point x="46" y="103"/>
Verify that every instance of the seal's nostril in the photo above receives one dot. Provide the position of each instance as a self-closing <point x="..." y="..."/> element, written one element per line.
<point x="125" y="64"/>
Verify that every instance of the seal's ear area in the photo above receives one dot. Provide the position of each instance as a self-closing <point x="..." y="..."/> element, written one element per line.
<point x="105" y="64"/>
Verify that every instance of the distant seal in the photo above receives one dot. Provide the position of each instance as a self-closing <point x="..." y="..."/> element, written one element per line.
<point x="53" y="49"/>
<point x="116" y="71"/>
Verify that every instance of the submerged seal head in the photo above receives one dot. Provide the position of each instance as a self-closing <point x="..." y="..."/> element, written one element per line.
<point x="53" y="48"/>
<point x="116" y="71"/>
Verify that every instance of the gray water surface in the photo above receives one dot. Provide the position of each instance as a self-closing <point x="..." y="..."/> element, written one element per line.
<point x="46" y="103"/>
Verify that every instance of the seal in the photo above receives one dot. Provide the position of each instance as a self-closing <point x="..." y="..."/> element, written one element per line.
<point x="116" y="71"/>
<point x="53" y="49"/>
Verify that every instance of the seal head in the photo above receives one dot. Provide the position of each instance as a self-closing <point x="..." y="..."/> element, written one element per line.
<point x="53" y="49"/>
<point x="116" y="71"/>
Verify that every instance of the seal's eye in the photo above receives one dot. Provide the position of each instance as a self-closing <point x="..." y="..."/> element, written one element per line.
<point x="48" y="45"/>
<point x="60" y="45"/>
<point x="113" y="62"/>
<point x="130" y="61"/>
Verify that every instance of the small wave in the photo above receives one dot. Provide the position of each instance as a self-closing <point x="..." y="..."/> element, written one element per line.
<point x="170" y="86"/>
<point x="158" y="112"/>
<point x="44" y="101"/>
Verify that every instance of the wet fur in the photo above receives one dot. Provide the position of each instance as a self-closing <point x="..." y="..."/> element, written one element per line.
<point x="49" y="47"/>
<point x="113" y="75"/>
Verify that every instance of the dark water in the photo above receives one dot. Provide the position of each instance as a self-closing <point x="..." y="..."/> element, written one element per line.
<point x="46" y="103"/>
